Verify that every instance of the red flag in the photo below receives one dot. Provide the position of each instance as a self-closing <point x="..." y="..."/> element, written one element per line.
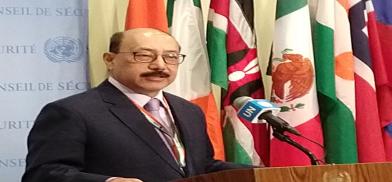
<point x="234" y="66"/>
<point x="380" y="52"/>
<point x="369" y="135"/>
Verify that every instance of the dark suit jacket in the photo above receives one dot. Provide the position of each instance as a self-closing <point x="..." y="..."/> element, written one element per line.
<point x="97" y="134"/>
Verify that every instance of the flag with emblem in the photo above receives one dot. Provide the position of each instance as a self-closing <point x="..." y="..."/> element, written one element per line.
<point x="193" y="77"/>
<point x="380" y="41"/>
<point x="234" y="65"/>
<point x="335" y="79"/>
<point x="368" y="128"/>
<point x="294" y="84"/>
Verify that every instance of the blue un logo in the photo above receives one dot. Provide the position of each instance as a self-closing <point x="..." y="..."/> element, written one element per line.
<point x="62" y="48"/>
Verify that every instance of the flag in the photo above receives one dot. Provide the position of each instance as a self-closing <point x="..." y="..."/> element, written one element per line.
<point x="380" y="31"/>
<point x="142" y="14"/>
<point x="293" y="83"/>
<point x="107" y="17"/>
<point x="104" y="18"/>
<point x="193" y="77"/>
<point x="234" y="68"/>
<point x="335" y="80"/>
<point x="368" y="128"/>
<point x="384" y="25"/>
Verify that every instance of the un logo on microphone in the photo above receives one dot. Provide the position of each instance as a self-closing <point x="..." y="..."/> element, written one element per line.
<point x="60" y="49"/>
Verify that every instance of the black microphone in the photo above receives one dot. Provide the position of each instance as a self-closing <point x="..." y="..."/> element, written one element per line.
<point x="254" y="110"/>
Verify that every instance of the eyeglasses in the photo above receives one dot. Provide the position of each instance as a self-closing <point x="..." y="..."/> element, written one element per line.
<point x="148" y="57"/>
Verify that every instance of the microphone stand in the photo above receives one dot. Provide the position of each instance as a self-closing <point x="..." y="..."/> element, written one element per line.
<point x="278" y="133"/>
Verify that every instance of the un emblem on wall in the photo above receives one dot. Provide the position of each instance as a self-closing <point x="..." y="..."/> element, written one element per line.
<point x="62" y="48"/>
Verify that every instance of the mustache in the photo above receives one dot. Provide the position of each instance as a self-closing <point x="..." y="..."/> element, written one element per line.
<point x="155" y="73"/>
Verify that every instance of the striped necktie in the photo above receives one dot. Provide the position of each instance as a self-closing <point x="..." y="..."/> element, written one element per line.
<point x="165" y="128"/>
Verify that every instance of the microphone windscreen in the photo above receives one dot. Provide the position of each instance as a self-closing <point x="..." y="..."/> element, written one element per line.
<point x="240" y="101"/>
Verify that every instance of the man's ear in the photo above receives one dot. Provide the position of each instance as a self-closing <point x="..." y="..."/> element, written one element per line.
<point x="108" y="58"/>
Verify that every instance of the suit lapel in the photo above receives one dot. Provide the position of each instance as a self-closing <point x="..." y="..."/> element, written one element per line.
<point x="134" y="119"/>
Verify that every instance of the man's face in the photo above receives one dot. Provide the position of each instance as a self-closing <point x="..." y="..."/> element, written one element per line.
<point x="143" y="78"/>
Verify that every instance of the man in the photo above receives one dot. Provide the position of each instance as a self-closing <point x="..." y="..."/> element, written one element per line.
<point x="108" y="133"/>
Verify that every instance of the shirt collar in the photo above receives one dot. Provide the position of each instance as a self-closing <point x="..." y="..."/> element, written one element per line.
<point x="139" y="99"/>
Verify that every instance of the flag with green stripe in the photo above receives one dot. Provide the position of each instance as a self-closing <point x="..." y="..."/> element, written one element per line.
<point x="293" y="83"/>
<point x="335" y="80"/>
<point x="193" y="77"/>
<point x="234" y="65"/>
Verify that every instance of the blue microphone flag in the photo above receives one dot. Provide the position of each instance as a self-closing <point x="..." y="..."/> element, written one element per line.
<point x="250" y="109"/>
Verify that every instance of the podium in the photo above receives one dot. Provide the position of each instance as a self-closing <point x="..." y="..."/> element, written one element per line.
<point x="365" y="172"/>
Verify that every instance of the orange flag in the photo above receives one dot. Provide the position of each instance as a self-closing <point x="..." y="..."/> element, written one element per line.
<point x="142" y="13"/>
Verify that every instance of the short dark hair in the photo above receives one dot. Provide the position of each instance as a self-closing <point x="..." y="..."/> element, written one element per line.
<point x="115" y="42"/>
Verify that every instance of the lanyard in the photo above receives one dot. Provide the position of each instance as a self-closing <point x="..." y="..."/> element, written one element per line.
<point x="179" y="154"/>
<point x="155" y="122"/>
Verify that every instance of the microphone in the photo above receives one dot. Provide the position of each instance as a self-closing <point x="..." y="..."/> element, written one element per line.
<point x="254" y="110"/>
